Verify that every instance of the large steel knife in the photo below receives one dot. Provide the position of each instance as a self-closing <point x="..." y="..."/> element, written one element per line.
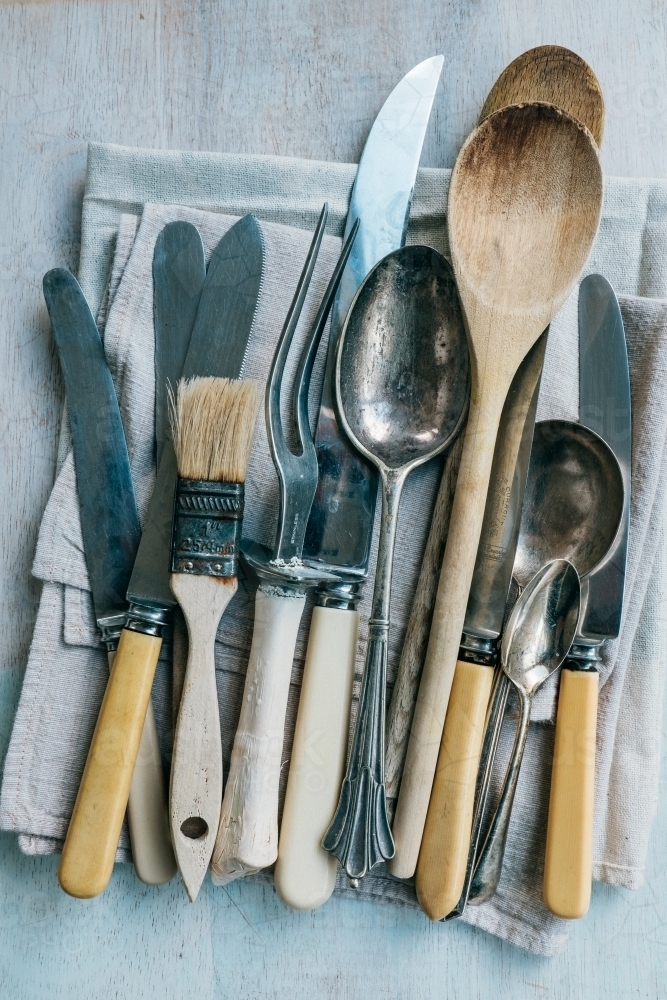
<point x="340" y="527"/>
<point x="217" y="347"/>
<point x="604" y="407"/>
<point x="111" y="533"/>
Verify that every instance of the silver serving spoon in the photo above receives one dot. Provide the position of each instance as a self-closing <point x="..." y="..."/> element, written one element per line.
<point x="536" y="640"/>
<point x="572" y="507"/>
<point x="401" y="380"/>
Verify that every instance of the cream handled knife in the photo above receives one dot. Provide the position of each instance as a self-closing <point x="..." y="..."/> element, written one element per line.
<point x="111" y="534"/>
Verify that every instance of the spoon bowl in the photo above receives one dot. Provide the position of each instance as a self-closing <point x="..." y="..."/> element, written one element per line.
<point x="573" y="500"/>
<point x="542" y="626"/>
<point x="403" y="367"/>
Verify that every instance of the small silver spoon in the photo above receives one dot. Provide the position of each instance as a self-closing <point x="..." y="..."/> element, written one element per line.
<point x="572" y="508"/>
<point x="536" y="640"/>
<point x="401" y="379"/>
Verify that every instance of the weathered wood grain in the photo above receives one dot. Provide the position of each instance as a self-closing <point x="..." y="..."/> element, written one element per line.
<point x="297" y="78"/>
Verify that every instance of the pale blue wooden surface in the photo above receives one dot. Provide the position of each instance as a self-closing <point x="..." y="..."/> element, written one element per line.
<point x="295" y="78"/>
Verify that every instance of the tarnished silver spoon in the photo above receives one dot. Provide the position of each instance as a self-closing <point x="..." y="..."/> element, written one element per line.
<point x="536" y="640"/>
<point x="401" y="379"/>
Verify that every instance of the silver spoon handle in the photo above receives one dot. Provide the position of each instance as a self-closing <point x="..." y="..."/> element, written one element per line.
<point x="494" y="724"/>
<point x="359" y="834"/>
<point x="487" y="873"/>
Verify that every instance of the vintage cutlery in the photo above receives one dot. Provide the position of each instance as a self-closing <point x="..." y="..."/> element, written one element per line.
<point x="401" y="379"/>
<point x="340" y="526"/>
<point x="604" y="406"/>
<point x="524" y="206"/>
<point x="214" y="421"/>
<point x="556" y="76"/>
<point x="536" y="640"/>
<point x="111" y="534"/>
<point x="217" y="347"/>
<point x="247" y="838"/>
<point x="572" y="509"/>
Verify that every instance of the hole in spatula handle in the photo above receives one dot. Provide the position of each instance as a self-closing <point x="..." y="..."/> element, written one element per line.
<point x="194" y="827"/>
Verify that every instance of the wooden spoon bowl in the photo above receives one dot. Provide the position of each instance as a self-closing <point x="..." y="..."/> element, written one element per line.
<point x="553" y="75"/>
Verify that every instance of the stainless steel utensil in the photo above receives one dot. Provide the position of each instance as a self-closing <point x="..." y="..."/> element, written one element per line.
<point x="573" y="505"/>
<point x="536" y="640"/>
<point x="401" y="378"/>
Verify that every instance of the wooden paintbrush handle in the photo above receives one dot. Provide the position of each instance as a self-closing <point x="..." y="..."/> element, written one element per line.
<point x="446" y="628"/>
<point x="196" y="767"/>
<point x="441" y="868"/>
<point x="92" y="838"/>
<point x="305" y="872"/>
<point x="248" y="833"/>
<point x="569" y="853"/>
<point x="147" y="815"/>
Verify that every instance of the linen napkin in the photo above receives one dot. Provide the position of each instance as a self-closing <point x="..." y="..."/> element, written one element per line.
<point x="67" y="673"/>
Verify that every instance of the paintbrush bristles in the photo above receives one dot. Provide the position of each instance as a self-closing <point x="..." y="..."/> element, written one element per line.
<point x="213" y="421"/>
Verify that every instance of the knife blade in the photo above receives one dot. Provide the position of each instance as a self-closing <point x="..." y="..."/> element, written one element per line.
<point x="604" y="407"/>
<point x="111" y="533"/>
<point x="340" y="526"/>
<point x="217" y="347"/>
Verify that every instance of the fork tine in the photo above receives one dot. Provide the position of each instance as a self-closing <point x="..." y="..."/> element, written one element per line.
<point x="305" y="369"/>
<point x="274" y="428"/>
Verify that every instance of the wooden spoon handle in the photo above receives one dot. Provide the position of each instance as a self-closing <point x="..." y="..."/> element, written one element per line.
<point x="147" y="815"/>
<point x="446" y="627"/>
<point x="196" y="767"/>
<point x="569" y="852"/>
<point x="305" y="872"/>
<point x="92" y="837"/>
<point x="248" y="832"/>
<point x="443" y="857"/>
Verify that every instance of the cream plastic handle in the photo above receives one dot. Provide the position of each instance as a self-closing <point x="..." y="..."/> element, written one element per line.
<point x="306" y="873"/>
<point x="90" y="846"/>
<point x="147" y="815"/>
<point x="441" y="868"/>
<point x="248" y="833"/>
<point x="568" y="863"/>
<point x="196" y="767"/>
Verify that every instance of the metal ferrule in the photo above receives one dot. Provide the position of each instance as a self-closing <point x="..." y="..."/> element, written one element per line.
<point x="584" y="656"/>
<point x="111" y="626"/>
<point x="147" y="618"/>
<point x="476" y="649"/>
<point x="206" y="533"/>
<point x="344" y="596"/>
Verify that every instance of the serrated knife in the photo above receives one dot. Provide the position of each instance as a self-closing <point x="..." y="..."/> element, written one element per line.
<point x="111" y="534"/>
<point x="604" y="407"/>
<point x="217" y="347"/>
<point x="340" y="526"/>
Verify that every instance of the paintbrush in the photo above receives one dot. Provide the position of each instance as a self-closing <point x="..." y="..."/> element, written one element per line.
<point x="213" y="421"/>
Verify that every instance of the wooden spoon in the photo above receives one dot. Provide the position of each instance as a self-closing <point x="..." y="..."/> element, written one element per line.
<point x="555" y="75"/>
<point x="524" y="207"/>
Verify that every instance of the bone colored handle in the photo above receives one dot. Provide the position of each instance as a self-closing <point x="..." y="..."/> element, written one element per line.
<point x="92" y="838"/>
<point x="569" y="853"/>
<point x="195" y="793"/>
<point x="147" y="815"/>
<point x="248" y="833"/>
<point x="446" y="627"/>
<point x="441" y="868"/>
<point x="305" y="872"/>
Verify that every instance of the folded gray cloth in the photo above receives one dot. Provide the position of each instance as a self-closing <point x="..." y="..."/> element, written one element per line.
<point x="67" y="670"/>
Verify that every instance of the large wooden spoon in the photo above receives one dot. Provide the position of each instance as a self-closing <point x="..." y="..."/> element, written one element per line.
<point x="524" y="207"/>
<point x="555" y="75"/>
